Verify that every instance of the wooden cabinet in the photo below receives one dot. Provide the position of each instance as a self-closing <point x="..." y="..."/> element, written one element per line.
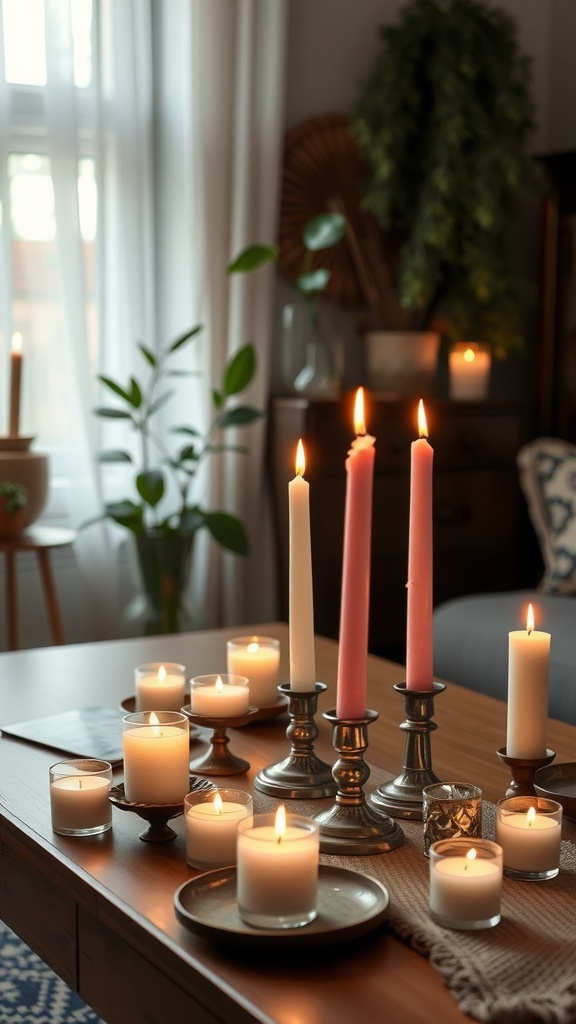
<point x="477" y="503"/>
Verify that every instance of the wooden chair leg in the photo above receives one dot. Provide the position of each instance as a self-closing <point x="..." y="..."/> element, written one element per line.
<point x="11" y="600"/>
<point x="50" y="596"/>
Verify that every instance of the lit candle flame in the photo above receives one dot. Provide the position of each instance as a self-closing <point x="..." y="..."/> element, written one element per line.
<point x="531" y="815"/>
<point x="218" y="806"/>
<point x="155" y="723"/>
<point x="219" y="686"/>
<point x="422" y="425"/>
<point x="471" y="855"/>
<point x="469" y="355"/>
<point x="161" y="674"/>
<point x="280" y="822"/>
<point x="253" y="647"/>
<point x="530" y="619"/>
<point x="16" y="342"/>
<point x="359" y="417"/>
<point x="300" y="459"/>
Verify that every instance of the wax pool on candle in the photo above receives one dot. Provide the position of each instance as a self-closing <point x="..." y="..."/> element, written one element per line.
<point x="277" y="869"/>
<point x="257" y="658"/>
<point x="419" y="672"/>
<point x="15" y="384"/>
<point x="355" y="598"/>
<point x="212" y="826"/>
<point x="528" y="667"/>
<point x="219" y="696"/>
<point x="160" y="687"/>
<point x="301" y="610"/>
<point x="156" y="757"/>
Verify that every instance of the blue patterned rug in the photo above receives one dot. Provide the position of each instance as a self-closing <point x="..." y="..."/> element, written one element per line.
<point x="30" y="993"/>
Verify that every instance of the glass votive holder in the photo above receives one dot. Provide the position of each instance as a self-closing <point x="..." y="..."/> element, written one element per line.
<point x="212" y="818"/>
<point x="258" y="658"/>
<point x="469" y="364"/>
<point x="529" y="829"/>
<point x="219" y="695"/>
<point x="159" y="686"/>
<point x="465" y="883"/>
<point x="156" y="747"/>
<point x="79" y="791"/>
<point x="277" y="870"/>
<point x="451" y="810"/>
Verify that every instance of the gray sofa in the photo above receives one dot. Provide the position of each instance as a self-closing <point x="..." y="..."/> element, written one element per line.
<point x="471" y="643"/>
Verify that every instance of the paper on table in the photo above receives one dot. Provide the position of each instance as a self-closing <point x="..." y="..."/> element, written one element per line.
<point x="84" y="732"/>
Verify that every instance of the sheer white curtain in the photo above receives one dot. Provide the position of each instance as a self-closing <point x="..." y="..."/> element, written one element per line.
<point x="222" y="73"/>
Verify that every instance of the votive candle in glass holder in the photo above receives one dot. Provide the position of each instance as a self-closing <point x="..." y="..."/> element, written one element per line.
<point x="465" y="883"/>
<point x="219" y="696"/>
<point x="79" y="790"/>
<point x="159" y="686"/>
<point x="156" y="747"/>
<point x="212" y="818"/>
<point x="451" y="810"/>
<point x="277" y="872"/>
<point x="469" y="370"/>
<point x="529" y="829"/>
<point x="258" y="658"/>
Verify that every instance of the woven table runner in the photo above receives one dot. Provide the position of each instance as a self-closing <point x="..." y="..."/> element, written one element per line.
<point x="523" y="971"/>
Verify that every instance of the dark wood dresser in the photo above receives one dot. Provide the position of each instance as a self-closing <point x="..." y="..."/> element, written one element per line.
<point x="477" y="501"/>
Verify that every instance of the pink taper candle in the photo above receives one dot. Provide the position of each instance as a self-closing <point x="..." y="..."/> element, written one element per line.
<point x="301" y="605"/>
<point x="355" y="601"/>
<point x="419" y="673"/>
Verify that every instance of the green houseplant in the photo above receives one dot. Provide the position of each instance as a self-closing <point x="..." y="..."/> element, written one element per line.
<point x="442" y="122"/>
<point x="320" y="233"/>
<point x="162" y="516"/>
<point x="13" y="504"/>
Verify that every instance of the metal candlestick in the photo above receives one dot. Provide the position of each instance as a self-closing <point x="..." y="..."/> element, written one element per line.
<point x="522" y="770"/>
<point x="350" y="826"/>
<point x="218" y="760"/>
<point x="403" y="797"/>
<point x="302" y="774"/>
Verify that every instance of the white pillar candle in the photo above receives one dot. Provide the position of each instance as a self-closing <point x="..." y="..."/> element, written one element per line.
<point x="212" y="826"/>
<point x="219" y="696"/>
<point x="159" y="687"/>
<point x="469" y="370"/>
<point x="528" y="668"/>
<point x="300" y="596"/>
<point x="465" y="883"/>
<point x="156" y="757"/>
<point x="529" y="832"/>
<point x="257" y="658"/>
<point x="79" y="796"/>
<point x="278" y="859"/>
<point x="15" y="384"/>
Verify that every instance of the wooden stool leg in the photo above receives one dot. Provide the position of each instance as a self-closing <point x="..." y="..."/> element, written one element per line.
<point x="11" y="601"/>
<point x="50" y="595"/>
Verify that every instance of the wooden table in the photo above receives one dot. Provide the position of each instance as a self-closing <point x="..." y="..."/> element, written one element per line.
<point x="100" y="910"/>
<point x="41" y="540"/>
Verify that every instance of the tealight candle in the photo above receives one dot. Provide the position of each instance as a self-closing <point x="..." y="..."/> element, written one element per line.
<point x="79" y="791"/>
<point x="212" y="818"/>
<point x="469" y="370"/>
<point x="159" y="687"/>
<point x="529" y="829"/>
<point x="278" y="857"/>
<point x="465" y="883"/>
<point x="219" y="696"/>
<point x="257" y="658"/>
<point x="156" y="749"/>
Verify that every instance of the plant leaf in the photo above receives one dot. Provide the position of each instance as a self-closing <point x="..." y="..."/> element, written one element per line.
<point x="135" y="395"/>
<point x="116" y="388"/>
<point x="150" y="486"/>
<point x="115" y="455"/>
<point x="316" y="281"/>
<point x="160" y="402"/>
<point x="228" y="531"/>
<point x="186" y="430"/>
<point x="323" y="231"/>
<point x="127" y="514"/>
<point x="192" y="519"/>
<point x="252" y="258"/>
<point x="183" y="338"/>
<point x="241" y="416"/>
<point x="240" y="370"/>
<point x="112" y="414"/>
<point x="148" y="355"/>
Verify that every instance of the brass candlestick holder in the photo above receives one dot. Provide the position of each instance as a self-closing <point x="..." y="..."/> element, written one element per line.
<point x="522" y="770"/>
<point x="350" y="826"/>
<point x="301" y="775"/>
<point x="218" y="760"/>
<point x="403" y="798"/>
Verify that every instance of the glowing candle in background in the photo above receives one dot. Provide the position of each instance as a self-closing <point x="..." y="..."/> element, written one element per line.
<point x="528" y="668"/>
<point x="419" y="672"/>
<point x="301" y="608"/>
<point x="15" y="384"/>
<point x="159" y="687"/>
<point x="355" y="600"/>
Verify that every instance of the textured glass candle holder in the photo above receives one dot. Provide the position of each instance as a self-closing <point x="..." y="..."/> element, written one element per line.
<point x="529" y="829"/>
<point x="451" y="810"/>
<point x="79" y="797"/>
<point x="465" y="883"/>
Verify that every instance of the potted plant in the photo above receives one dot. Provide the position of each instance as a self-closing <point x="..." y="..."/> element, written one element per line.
<point x="13" y="504"/>
<point x="317" y="375"/>
<point x="162" y="517"/>
<point x="442" y="122"/>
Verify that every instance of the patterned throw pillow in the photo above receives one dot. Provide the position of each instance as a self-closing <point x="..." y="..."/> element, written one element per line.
<point x="547" y="469"/>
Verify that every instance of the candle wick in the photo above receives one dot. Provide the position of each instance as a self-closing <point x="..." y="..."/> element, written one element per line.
<point x="279" y="840"/>
<point x="466" y="867"/>
<point x="79" y="783"/>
